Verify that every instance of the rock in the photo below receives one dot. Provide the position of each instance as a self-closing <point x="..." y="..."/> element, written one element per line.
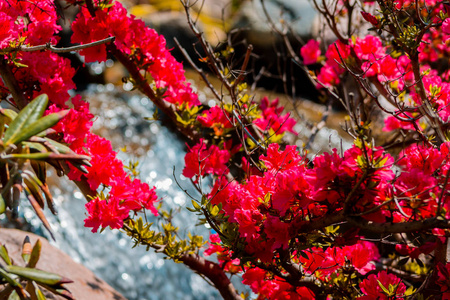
<point x="270" y="64"/>
<point x="299" y="14"/>
<point x="85" y="286"/>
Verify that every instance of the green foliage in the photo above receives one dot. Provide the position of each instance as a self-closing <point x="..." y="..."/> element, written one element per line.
<point x="25" y="282"/>
<point x="166" y="241"/>
<point x="25" y="151"/>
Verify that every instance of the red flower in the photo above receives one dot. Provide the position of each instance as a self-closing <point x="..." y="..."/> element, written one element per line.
<point x="310" y="52"/>
<point x="272" y="119"/>
<point x="201" y="160"/>
<point x="370" y="18"/>
<point x="446" y="26"/>
<point x="373" y="291"/>
<point x="215" y="118"/>
<point x="277" y="161"/>
<point x="104" y="213"/>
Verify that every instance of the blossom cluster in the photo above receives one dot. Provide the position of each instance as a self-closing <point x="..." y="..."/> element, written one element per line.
<point x="270" y="209"/>
<point x="31" y="23"/>
<point x="143" y="46"/>
<point x="379" y="61"/>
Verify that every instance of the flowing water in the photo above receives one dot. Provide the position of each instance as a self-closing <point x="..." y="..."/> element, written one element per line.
<point x="137" y="273"/>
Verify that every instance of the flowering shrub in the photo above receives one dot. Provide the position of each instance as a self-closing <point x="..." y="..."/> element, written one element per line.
<point x="368" y="222"/>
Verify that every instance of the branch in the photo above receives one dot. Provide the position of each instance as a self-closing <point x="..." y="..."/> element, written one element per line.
<point x="145" y="88"/>
<point x="52" y="48"/>
<point x="404" y="227"/>
<point x="214" y="273"/>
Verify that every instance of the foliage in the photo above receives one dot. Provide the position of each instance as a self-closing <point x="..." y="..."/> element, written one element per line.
<point x="24" y="282"/>
<point x="367" y="222"/>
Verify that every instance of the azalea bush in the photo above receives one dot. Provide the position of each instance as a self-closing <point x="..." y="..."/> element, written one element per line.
<point x="368" y="222"/>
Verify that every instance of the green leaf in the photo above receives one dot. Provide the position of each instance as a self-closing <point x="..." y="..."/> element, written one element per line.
<point x="40" y="169"/>
<point x="36" y="127"/>
<point x="14" y="296"/>
<point x="383" y="287"/>
<point x="196" y="205"/>
<point x="403" y="261"/>
<point x="32" y="187"/>
<point x="214" y="211"/>
<point x="63" y="149"/>
<point x="4" y="255"/>
<point x="8" y="278"/>
<point x="35" y="254"/>
<point x="419" y="262"/>
<point x="36" y="146"/>
<point x="304" y="255"/>
<point x="9" y="114"/>
<point x="31" y="156"/>
<point x="30" y="114"/>
<point x="37" y="275"/>
<point x="2" y="204"/>
<point x="59" y="290"/>
<point x="39" y="294"/>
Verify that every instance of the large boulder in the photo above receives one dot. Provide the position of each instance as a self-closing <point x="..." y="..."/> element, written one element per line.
<point x="85" y="286"/>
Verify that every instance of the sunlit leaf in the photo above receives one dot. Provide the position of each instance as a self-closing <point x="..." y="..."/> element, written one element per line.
<point x="35" y="254"/>
<point x="37" y="275"/>
<point x="27" y="116"/>
<point x="36" y="127"/>
<point x="4" y="255"/>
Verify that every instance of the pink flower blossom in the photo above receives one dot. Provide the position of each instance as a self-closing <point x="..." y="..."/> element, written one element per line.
<point x="201" y="160"/>
<point x="373" y="291"/>
<point x="310" y="52"/>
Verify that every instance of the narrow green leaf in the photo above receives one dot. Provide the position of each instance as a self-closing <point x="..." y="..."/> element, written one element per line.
<point x="2" y="204"/>
<point x="63" y="149"/>
<point x="40" y="169"/>
<point x="37" y="275"/>
<point x="403" y="261"/>
<point x="304" y="255"/>
<point x="419" y="262"/>
<point x="196" y="205"/>
<point x="31" y="156"/>
<point x="4" y="255"/>
<point x="50" y="155"/>
<point x="30" y="114"/>
<point x="36" y="127"/>
<point x="59" y="290"/>
<point x="35" y="254"/>
<point x="214" y="211"/>
<point x="36" y="146"/>
<point x="39" y="294"/>
<point x="33" y="188"/>
<point x="14" y="296"/>
<point x="12" y="282"/>
<point x="9" y="114"/>
<point x="383" y="287"/>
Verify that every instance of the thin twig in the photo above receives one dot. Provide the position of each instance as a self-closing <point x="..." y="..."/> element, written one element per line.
<point x="52" y="48"/>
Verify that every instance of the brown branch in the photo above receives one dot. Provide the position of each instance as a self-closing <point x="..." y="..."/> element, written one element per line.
<point x="403" y="227"/>
<point x="244" y="67"/>
<point x="52" y="48"/>
<point x="214" y="273"/>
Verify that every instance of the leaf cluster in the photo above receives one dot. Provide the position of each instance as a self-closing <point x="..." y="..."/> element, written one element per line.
<point x="25" y="283"/>
<point x="27" y="146"/>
